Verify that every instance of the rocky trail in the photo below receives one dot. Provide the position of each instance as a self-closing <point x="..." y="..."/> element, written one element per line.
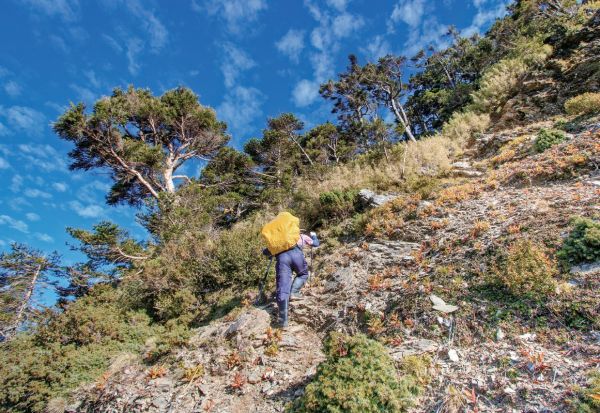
<point x="393" y="288"/>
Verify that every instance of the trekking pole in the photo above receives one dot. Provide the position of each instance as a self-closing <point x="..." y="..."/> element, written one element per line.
<point x="261" y="284"/>
<point x="310" y="266"/>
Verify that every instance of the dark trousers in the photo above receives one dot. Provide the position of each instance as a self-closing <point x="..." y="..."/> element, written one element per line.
<point x="288" y="263"/>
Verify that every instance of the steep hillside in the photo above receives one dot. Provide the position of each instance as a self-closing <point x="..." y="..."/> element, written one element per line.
<point x="460" y="272"/>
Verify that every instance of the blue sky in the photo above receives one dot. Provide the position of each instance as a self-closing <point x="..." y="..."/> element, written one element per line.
<point x="249" y="59"/>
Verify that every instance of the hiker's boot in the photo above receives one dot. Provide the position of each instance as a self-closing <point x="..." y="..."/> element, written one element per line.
<point x="296" y="287"/>
<point x="282" y="313"/>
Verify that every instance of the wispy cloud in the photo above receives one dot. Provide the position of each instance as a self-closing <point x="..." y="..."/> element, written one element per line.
<point x="60" y="186"/>
<point x="12" y="88"/>
<point x="4" y="164"/>
<point x="134" y="47"/>
<point x="291" y="44"/>
<point x="487" y="12"/>
<point x="239" y="109"/>
<point x="43" y="157"/>
<point x="43" y="237"/>
<point x="236" y="13"/>
<point x="156" y="30"/>
<point x="235" y="62"/>
<point x="407" y="11"/>
<point x="305" y="92"/>
<point x="36" y="193"/>
<point x="333" y="27"/>
<point x="378" y="47"/>
<point x="23" y="119"/>
<point x="83" y="93"/>
<point x="16" y="183"/>
<point x="87" y="211"/>
<point x="67" y="10"/>
<point x="14" y="223"/>
<point x="32" y="216"/>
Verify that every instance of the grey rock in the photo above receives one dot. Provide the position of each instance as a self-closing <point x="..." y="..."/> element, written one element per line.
<point x="252" y="323"/>
<point x="371" y="199"/>
<point x="586" y="270"/>
<point x="414" y="347"/>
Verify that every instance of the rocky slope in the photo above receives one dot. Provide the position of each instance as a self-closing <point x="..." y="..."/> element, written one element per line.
<point x="485" y="356"/>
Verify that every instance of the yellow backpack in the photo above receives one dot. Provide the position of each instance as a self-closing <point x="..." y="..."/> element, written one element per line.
<point x="282" y="233"/>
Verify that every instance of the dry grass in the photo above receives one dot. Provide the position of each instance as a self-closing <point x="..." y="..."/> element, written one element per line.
<point x="561" y="161"/>
<point x="430" y="157"/>
<point x="585" y="104"/>
<point x="156" y="371"/>
<point x="464" y="127"/>
<point x="458" y="193"/>
<point x="479" y="228"/>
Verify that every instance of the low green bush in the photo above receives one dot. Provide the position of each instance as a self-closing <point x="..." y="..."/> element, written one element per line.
<point x="587" y="400"/>
<point x="583" y="243"/>
<point x="358" y="376"/>
<point x="546" y="138"/>
<point x="74" y="347"/>
<point x="585" y="104"/>
<point x="525" y="271"/>
<point x="338" y="204"/>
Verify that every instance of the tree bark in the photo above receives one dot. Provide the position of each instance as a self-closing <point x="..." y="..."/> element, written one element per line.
<point x="402" y="118"/>
<point x="25" y="303"/>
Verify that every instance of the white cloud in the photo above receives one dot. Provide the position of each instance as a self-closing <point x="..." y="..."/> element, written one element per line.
<point x="338" y="4"/>
<point x="486" y="14"/>
<point x="14" y="223"/>
<point x="305" y="92"/>
<point x="112" y="43"/>
<point x="67" y="10"/>
<point x="59" y="43"/>
<point x="156" y="30"/>
<point x="12" y="88"/>
<point x="89" y="192"/>
<point x="43" y="237"/>
<point x="377" y="48"/>
<point x="326" y="39"/>
<point x="4" y="164"/>
<point x="291" y="44"/>
<point x="242" y="105"/>
<point x="345" y="24"/>
<point x="134" y="47"/>
<point x="36" y="193"/>
<point x="236" y="61"/>
<point x="17" y="203"/>
<point x="92" y="78"/>
<point x="84" y="94"/>
<point x="43" y="157"/>
<point x="4" y="130"/>
<point x="87" y="211"/>
<point x="16" y="183"/>
<point x="408" y="11"/>
<point x="60" y="186"/>
<point x="24" y="119"/>
<point x="236" y="13"/>
<point x="32" y="216"/>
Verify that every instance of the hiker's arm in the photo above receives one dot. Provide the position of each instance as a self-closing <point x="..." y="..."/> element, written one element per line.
<point x="315" y="240"/>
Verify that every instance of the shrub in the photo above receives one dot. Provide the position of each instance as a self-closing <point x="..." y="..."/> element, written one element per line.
<point x="358" y="376"/>
<point x="587" y="400"/>
<point x="585" y="104"/>
<point x="74" y="347"/>
<point x="548" y="138"/>
<point x="525" y="271"/>
<point x="465" y="126"/>
<point x="338" y="204"/>
<point x="497" y="84"/>
<point x="583" y="243"/>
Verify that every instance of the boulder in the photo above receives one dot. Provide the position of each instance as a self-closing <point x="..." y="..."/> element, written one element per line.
<point x="252" y="323"/>
<point x="370" y="199"/>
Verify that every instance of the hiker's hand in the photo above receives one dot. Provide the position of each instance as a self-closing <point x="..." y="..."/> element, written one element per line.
<point x="313" y="234"/>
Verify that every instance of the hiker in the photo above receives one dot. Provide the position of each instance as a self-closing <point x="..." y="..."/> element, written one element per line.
<point x="285" y="243"/>
<point x="287" y="263"/>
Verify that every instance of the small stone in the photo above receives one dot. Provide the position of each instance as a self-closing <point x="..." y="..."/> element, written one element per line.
<point x="254" y="377"/>
<point x="453" y="355"/>
<point x="500" y="335"/>
<point x="509" y="390"/>
<point x="298" y="392"/>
